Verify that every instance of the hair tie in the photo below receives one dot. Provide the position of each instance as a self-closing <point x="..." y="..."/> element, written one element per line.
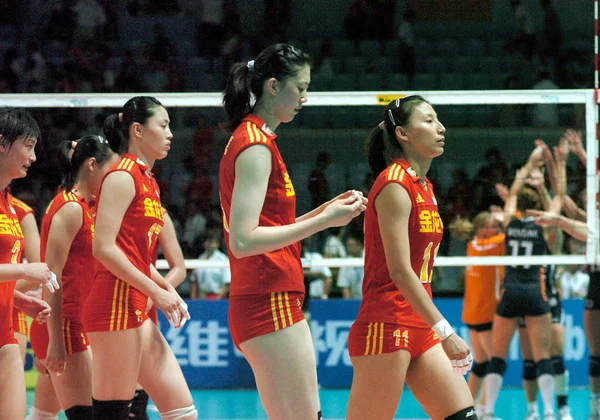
<point x="102" y="140"/>
<point x="382" y="125"/>
<point x="71" y="150"/>
<point x="120" y="117"/>
<point x="391" y="117"/>
<point x="250" y="65"/>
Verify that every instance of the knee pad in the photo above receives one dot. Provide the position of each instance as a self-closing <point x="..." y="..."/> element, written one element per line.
<point x="497" y="366"/>
<point x="79" y="412"/>
<point x="558" y="364"/>
<point x="529" y="371"/>
<point x="594" y="366"/>
<point x="480" y="369"/>
<point x="111" y="409"/>
<point x="464" y="414"/>
<point x="185" y="413"/>
<point x="544" y="367"/>
<point x="139" y="405"/>
<point x="37" y="414"/>
<point x="320" y="415"/>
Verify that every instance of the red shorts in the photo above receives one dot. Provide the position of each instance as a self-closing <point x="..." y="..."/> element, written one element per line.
<point x="113" y="305"/>
<point x="74" y="336"/>
<point x="153" y="315"/>
<point x="20" y="322"/>
<point x="370" y="338"/>
<point x="255" y="315"/>
<point x="7" y="336"/>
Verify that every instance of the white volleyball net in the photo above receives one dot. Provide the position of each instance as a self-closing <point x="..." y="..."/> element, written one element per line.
<point x="338" y="122"/>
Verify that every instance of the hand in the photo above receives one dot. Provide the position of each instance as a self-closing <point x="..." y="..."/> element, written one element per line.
<point x="497" y="213"/>
<point x="535" y="178"/>
<point x="536" y="158"/>
<point x="174" y="308"/>
<point x="41" y="274"/>
<point x="459" y="354"/>
<point x="561" y="152"/>
<point x="502" y="191"/>
<point x="543" y="218"/>
<point x="340" y="211"/>
<point x="574" y="139"/>
<point x="56" y="357"/>
<point x="36" y="308"/>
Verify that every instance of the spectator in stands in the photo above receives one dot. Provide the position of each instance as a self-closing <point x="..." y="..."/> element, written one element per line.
<point x="10" y="70"/>
<point x="62" y="23"/>
<point x="211" y="283"/>
<point x="524" y="32"/>
<point x="406" y="35"/>
<point x="128" y="79"/>
<point x="317" y="280"/>
<point x="324" y="61"/>
<point x="551" y="41"/>
<point x="360" y="21"/>
<point x="200" y="188"/>
<point x="350" y="279"/>
<point x="91" y="18"/>
<point x="210" y="29"/>
<point x="545" y="115"/>
<point x="317" y="180"/>
<point x="194" y="228"/>
<point x="203" y="140"/>
<point x="494" y="171"/>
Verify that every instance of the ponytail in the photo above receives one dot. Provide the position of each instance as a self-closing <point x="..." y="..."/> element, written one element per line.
<point x="72" y="156"/>
<point x="375" y="151"/>
<point x="279" y="61"/>
<point x="115" y="133"/>
<point x="63" y="157"/>
<point x="236" y="98"/>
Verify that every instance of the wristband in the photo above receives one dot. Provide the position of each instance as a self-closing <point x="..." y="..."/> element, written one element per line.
<point x="443" y="329"/>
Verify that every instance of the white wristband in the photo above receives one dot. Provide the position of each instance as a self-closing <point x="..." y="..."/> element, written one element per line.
<point x="443" y="329"/>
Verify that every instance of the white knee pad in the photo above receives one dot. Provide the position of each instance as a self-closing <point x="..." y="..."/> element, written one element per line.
<point x="36" y="414"/>
<point x="185" y="413"/>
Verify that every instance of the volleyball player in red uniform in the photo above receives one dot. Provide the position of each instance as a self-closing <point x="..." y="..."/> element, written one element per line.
<point x="262" y="232"/>
<point x="19" y="133"/>
<point x="397" y="333"/>
<point x="31" y="252"/>
<point x="167" y="241"/>
<point x="66" y="246"/>
<point x="128" y="221"/>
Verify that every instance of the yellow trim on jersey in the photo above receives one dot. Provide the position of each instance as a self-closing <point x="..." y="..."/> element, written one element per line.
<point x="374" y="337"/>
<point x="119" y="305"/>
<point x="126" y="164"/>
<point x="255" y="134"/>
<point x="396" y="173"/>
<point x="67" y="332"/>
<point x="18" y="203"/>
<point x="280" y="305"/>
<point x="126" y="303"/>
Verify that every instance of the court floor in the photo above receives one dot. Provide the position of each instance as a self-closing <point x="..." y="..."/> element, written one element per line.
<point x="245" y="404"/>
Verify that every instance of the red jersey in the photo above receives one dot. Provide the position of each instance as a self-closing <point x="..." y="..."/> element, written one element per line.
<point x="382" y="301"/>
<point x="274" y="271"/>
<point x="22" y="209"/>
<point x="11" y="250"/>
<point x="77" y="277"/>
<point x="113" y="304"/>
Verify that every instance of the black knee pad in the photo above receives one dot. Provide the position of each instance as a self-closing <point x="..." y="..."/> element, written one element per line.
<point x="464" y="414"/>
<point x="320" y="415"/>
<point x="529" y="371"/>
<point x="558" y="364"/>
<point x="480" y="369"/>
<point x="139" y="405"/>
<point x="594" y="366"/>
<point x="544" y="367"/>
<point x="111" y="409"/>
<point x="79" y="412"/>
<point x="497" y="366"/>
